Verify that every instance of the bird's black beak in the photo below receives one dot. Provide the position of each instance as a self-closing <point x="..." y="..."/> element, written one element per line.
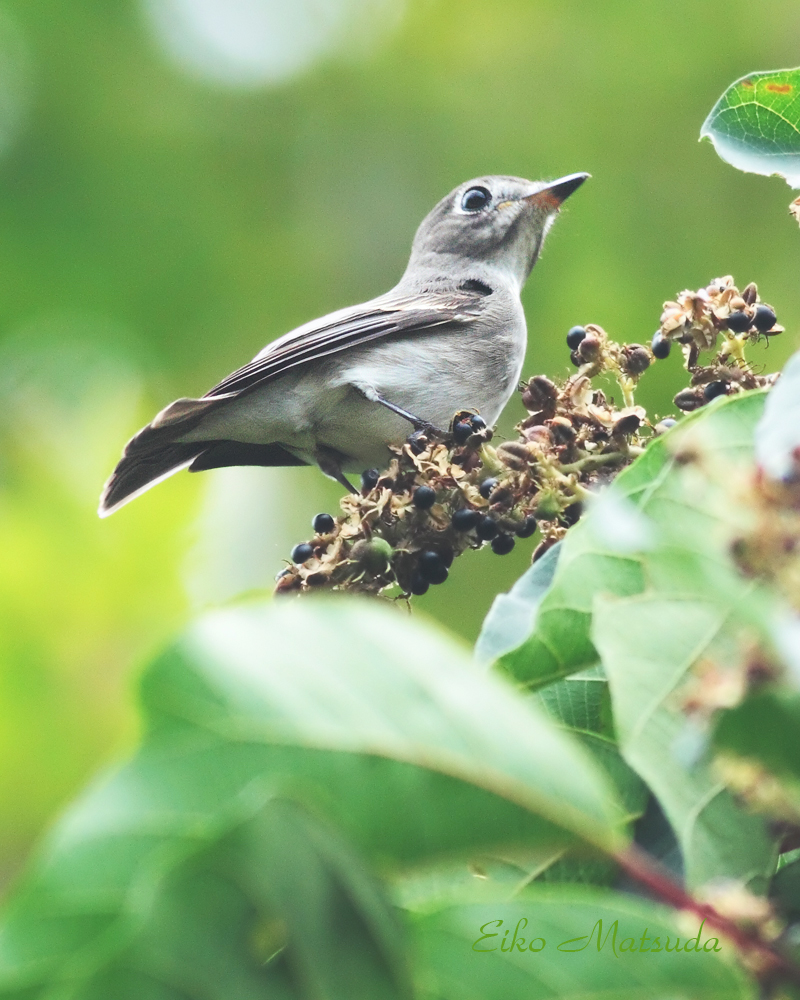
<point x="556" y="192"/>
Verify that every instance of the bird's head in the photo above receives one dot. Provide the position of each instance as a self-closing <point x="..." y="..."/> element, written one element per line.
<point x="491" y="222"/>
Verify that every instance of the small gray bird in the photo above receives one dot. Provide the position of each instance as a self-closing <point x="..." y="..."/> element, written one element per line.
<point x="338" y="391"/>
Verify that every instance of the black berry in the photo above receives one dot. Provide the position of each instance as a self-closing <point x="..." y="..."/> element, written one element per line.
<point x="575" y="358"/>
<point x="487" y="528"/>
<point x="660" y="346"/>
<point x="369" y="479"/>
<point x="764" y="319"/>
<point x="562" y="430"/>
<point x="466" y="519"/>
<point x="627" y="424"/>
<point x="688" y="400"/>
<point x="527" y="527"/>
<point x="432" y="567"/>
<point x="302" y="553"/>
<point x="503" y="544"/>
<point x="424" y="497"/>
<point x="419" y="585"/>
<point x="637" y="360"/>
<point x="478" y="423"/>
<point x="575" y="336"/>
<point x="714" y="389"/>
<point x="461" y="431"/>
<point x="739" y="322"/>
<point x="572" y="514"/>
<point x="323" y="524"/>
<point x="486" y="487"/>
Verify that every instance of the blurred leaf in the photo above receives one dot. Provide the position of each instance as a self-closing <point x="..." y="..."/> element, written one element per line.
<point x="778" y="431"/>
<point x="512" y="616"/>
<point x="451" y="965"/>
<point x="765" y="727"/>
<point x="692" y="589"/>
<point x="654" y="834"/>
<point x="755" y="125"/>
<point x="648" y="645"/>
<point x="267" y="905"/>
<point x="785" y="888"/>
<point x="582" y="704"/>
<point x="372" y="720"/>
<point x="588" y="564"/>
<point x="343" y="937"/>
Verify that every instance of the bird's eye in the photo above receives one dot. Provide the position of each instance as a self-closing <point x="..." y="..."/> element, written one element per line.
<point x="475" y="199"/>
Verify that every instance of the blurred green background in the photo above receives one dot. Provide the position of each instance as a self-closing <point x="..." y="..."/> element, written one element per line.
<point x="181" y="181"/>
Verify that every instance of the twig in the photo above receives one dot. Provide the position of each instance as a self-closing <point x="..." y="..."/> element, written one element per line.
<point x="645" y="870"/>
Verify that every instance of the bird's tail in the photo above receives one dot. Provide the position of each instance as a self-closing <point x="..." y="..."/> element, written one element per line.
<point x="155" y="453"/>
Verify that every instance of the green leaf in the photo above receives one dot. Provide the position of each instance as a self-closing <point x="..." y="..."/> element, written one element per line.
<point x="343" y="938"/>
<point x="591" y="562"/>
<point x="765" y="727"/>
<point x="582" y="704"/>
<point x="277" y="907"/>
<point x="778" y="431"/>
<point x="376" y="725"/>
<point x="454" y="959"/>
<point x="648" y="645"/>
<point x="692" y="591"/>
<point x="512" y="616"/>
<point x="785" y="888"/>
<point x="755" y="125"/>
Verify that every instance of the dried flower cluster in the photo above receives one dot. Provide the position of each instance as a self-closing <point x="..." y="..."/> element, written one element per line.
<point x="443" y="494"/>
<point x="770" y="550"/>
<point x="698" y="320"/>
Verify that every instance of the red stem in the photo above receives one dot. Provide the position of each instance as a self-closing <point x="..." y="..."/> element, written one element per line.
<point x="645" y="870"/>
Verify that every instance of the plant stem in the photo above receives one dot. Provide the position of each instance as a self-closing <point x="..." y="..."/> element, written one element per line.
<point x="594" y="461"/>
<point x="645" y="870"/>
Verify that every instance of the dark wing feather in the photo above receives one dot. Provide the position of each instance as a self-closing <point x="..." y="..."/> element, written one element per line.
<point x="383" y="318"/>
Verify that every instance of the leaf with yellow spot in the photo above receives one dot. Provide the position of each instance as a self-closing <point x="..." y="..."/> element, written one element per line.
<point x="755" y="125"/>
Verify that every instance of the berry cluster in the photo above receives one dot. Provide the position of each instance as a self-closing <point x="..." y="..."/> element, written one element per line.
<point x="440" y="496"/>
<point x="445" y="493"/>
<point x="697" y="321"/>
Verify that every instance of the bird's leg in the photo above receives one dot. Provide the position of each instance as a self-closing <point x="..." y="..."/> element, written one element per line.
<point x="416" y="422"/>
<point x="330" y="462"/>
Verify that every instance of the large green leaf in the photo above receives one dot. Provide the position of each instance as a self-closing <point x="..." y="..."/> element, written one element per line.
<point x="373" y="723"/>
<point x="594" y="561"/>
<point x="755" y="125"/>
<point x="649" y="641"/>
<point x="648" y="646"/>
<point x="276" y="906"/>
<point x="458" y="960"/>
<point x="580" y="704"/>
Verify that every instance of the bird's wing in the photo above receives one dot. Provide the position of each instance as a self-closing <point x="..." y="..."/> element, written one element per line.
<point x="389" y="316"/>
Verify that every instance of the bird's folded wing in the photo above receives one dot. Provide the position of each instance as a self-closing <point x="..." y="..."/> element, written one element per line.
<point x="385" y="317"/>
